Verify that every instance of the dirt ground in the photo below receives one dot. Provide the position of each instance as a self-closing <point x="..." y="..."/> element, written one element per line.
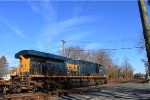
<point x="122" y="91"/>
<point x="125" y="91"/>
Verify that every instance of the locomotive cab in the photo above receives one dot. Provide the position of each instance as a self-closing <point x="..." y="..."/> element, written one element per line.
<point x="38" y="67"/>
<point x="24" y="66"/>
<point x="24" y="71"/>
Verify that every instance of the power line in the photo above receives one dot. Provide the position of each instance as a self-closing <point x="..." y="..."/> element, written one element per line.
<point x="81" y="11"/>
<point x="123" y="48"/>
<point x="108" y="41"/>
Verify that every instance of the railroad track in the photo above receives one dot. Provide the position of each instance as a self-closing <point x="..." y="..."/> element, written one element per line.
<point x="48" y="94"/>
<point x="40" y="95"/>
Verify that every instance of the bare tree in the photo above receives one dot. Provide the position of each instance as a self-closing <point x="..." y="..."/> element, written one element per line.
<point x="101" y="57"/>
<point x="127" y="69"/>
<point x="84" y="56"/>
<point x="146" y="67"/>
<point x="3" y="66"/>
<point x="72" y="52"/>
<point x="91" y="56"/>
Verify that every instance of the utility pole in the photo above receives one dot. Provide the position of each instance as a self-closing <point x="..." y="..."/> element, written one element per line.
<point x="146" y="29"/>
<point x="63" y="43"/>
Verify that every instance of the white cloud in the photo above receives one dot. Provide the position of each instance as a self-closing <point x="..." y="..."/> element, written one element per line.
<point x="96" y="46"/>
<point x="67" y="26"/>
<point x="38" y="45"/>
<point x="35" y="8"/>
<point x="50" y="35"/>
<point x="14" y="29"/>
<point x="45" y="8"/>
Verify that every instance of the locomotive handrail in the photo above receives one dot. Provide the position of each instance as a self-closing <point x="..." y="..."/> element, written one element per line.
<point x="68" y="76"/>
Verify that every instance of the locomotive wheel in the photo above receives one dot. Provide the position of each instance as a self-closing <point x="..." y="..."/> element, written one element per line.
<point x="105" y="82"/>
<point x="1" y="89"/>
<point x="18" y="89"/>
<point x="16" y="85"/>
<point x="96" y="83"/>
<point x="100" y="82"/>
<point x="55" y="87"/>
<point x="59" y="85"/>
<point x="46" y="88"/>
<point x="14" y="90"/>
<point x="88" y="83"/>
<point x="33" y="88"/>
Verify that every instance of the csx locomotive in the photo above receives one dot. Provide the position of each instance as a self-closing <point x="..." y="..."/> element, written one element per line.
<point x="39" y="70"/>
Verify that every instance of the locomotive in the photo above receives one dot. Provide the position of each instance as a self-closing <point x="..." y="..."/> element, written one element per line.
<point x="40" y="70"/>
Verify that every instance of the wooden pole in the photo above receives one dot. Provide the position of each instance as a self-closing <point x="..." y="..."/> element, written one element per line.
<point x="146" y="29"/>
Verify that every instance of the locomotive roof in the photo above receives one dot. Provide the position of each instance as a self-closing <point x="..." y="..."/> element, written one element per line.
<point x="33" y="53"/>
<point x="39" y="54"/>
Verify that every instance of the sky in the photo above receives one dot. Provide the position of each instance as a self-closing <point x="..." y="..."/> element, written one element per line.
<point x="92" y="25"/>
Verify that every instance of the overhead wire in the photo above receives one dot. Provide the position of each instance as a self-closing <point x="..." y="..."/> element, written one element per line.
<point x="108" y="41"/>
<point x="123" y="48"/>
<point x="81" y="13"/>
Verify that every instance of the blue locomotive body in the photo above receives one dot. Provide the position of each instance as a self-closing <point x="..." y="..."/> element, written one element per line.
<point x="38" y="67"/>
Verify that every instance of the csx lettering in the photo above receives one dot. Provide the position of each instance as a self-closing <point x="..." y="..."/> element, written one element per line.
<point x="72" y="67"/>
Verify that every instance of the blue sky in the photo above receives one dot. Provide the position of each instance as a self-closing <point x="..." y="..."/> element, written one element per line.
<point x="41" y="25"/>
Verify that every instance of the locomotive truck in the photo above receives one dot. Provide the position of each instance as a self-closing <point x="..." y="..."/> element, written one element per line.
<point x="40" y="70"/>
